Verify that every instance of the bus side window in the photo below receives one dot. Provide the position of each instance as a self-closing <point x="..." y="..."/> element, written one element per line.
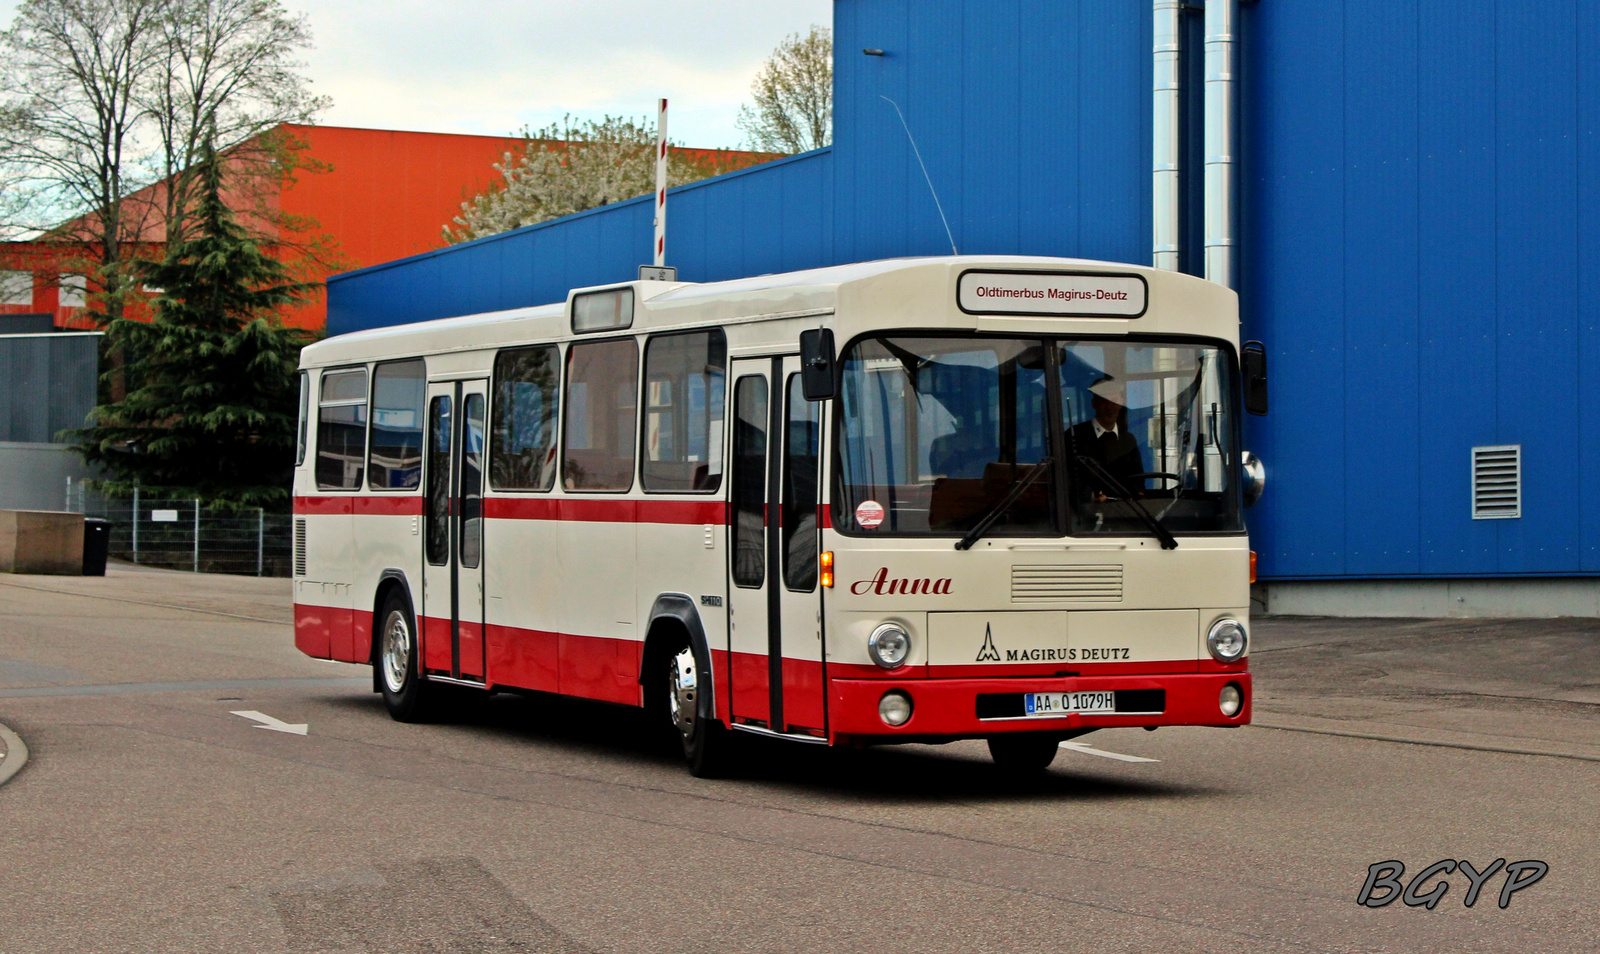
<point x="305" y="417"/>
<point x="398" y="390"/>
<point x="802" y="420"/>
<point x="601" y="418"/>
<point x="683" y="381"/>
<point x="750" y="481"/>
<point x="522" y="453"/>
<point x="342" y="430"/>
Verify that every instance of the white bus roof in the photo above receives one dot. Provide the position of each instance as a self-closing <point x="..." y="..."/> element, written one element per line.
<point x="915" y="293"/>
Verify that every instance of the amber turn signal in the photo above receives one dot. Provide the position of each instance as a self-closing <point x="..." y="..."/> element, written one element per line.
<point x="1252" y="566"/>
<point x="826" y="562"/>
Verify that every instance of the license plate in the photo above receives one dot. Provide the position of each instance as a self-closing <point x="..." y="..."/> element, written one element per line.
<point x="1045" y="704"/>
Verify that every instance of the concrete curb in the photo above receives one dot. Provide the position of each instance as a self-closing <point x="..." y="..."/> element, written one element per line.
<point x="16" y="754"/>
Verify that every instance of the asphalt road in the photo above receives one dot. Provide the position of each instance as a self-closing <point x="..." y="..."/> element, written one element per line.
<point x="149" y="818"/>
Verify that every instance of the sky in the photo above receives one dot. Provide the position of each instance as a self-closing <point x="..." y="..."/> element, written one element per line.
<point x="492" y="67"/>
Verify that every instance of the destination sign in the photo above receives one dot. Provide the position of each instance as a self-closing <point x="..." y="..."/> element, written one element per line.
<point x="1058" y="294"/>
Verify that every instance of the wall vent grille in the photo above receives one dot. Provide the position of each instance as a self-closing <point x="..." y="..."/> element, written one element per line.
<point x="1497" y="482"/>
<point x="299" y="546"/>
<point x="1101" y="583"/>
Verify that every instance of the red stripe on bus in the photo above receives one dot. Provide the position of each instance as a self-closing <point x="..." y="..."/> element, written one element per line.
<point x="341" y="504"/>
<point x="409" y="505"/>
<point x="606" y="511"/>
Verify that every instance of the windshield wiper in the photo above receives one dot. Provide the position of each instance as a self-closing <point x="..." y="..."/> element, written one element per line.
<point x="966" y="542"/>
<point x="1168" y="541"/>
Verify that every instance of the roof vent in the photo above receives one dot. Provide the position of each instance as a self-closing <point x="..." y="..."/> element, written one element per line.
<point x="1497" y="482"/>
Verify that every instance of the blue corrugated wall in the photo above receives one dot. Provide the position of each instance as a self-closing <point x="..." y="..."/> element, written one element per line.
<point x="1420" y="258"/>
<point x="1031" y="116"/>
<point x="771" y="218"/>
<point x="1421" y="183"/>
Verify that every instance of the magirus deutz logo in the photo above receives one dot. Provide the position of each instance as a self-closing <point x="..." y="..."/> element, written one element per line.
<point x="988" y="653"/>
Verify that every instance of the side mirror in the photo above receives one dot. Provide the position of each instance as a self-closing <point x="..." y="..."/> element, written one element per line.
<point x="1253" y="369"/>
<point x="1255" y="478"/>
<point x="816" y="363"/>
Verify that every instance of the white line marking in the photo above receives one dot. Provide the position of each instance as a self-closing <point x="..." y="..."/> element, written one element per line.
<point x="1084" y="748"/>
<point x="275" y="725"/>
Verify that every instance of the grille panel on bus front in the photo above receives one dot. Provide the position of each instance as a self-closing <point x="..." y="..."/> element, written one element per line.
<point x="1098" y="583"/>
<point x="300" y="547"/>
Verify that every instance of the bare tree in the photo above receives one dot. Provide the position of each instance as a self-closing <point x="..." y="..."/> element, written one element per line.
<point x="572" y="166"/>
<point x="793" y="94"/>
<point x="71" y="120"/>
<point x="102" y="98"/>
<point x="226" y="74"/>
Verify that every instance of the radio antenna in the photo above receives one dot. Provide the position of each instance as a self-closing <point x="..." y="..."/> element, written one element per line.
<point x="918" y="153"/>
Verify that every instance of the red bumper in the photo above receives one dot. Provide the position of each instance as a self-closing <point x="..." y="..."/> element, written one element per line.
<point x="944" y="709"/>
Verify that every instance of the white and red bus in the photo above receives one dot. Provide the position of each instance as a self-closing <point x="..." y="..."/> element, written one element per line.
<point x="1007" y="505"/>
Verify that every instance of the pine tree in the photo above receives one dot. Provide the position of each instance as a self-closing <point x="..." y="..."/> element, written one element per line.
<point x="212" y="386"/>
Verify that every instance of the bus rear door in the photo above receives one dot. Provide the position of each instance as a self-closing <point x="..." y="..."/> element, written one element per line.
<point x="775" y="636"/>
<point x="452" y="574"/>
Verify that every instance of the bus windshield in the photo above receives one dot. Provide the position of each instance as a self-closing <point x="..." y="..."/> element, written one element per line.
<point x="937" y="431"/>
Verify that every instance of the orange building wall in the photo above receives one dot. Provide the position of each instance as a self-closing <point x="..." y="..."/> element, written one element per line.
<point x="376" y="194"/>
<point x="386" y="194"/>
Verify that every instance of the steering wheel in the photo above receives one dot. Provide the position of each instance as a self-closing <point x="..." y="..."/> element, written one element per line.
<point x="1165" y="476"/>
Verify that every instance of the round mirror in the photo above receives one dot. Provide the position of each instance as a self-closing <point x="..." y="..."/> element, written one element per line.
<point x="1255" y="478"/>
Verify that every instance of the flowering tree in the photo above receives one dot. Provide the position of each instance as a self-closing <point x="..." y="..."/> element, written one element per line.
<point x="572" y="166"/>
<point x="793" y="94"/>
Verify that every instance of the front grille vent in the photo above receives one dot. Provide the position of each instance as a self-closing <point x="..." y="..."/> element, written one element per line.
<point x="1101" y="583"/>
<point x="299" y="546"/>
<point x="1497" y="482"/>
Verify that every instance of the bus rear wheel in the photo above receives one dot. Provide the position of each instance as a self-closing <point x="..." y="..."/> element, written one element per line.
<point x="705" y="742"/>
<point x="1024" y="754"/>
<point x="405" y="694"/>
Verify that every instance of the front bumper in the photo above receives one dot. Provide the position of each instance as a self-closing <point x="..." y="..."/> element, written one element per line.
<point x="947" y="709"/>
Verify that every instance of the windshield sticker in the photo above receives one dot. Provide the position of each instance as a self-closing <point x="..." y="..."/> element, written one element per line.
<point x="869" y="514"/>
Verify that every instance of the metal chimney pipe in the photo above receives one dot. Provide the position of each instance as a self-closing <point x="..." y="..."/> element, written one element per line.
<point x="1166" y="228"/>
<point x="1222" y="17"/>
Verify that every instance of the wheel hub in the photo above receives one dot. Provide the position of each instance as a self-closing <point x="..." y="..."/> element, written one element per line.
<point x="396" y="651"/>
<point x="682" y="692"/>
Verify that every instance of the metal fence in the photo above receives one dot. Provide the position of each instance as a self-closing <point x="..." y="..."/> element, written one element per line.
<point x="186" y="535"/>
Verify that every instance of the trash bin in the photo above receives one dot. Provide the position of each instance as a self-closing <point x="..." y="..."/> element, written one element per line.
<point x="96" y="542"/>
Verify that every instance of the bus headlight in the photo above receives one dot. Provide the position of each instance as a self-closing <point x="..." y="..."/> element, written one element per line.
<point x="1230" y="700"/>
<point x="889" y="645"/>
<point x="1227" y="640"/>
<point x="895" y="707"/>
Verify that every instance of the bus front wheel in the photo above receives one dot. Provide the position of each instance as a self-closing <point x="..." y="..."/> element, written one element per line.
<point x="705" y="742"/>
<point x="405" y="694"/>
<point x="1024" y="754"/>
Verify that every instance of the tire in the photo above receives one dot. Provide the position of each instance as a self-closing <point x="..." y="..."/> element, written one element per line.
<point x="407" y="696"/>
<point x="1024" y="754"/>
<point x="707" y="745"/>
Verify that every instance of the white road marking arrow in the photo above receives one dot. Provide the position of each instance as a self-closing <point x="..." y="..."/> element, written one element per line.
<point x="275" y="725"/>
<point x="1083" y="747"/>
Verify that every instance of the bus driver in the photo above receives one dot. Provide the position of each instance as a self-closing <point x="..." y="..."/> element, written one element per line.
<point x="1104" y="438"/>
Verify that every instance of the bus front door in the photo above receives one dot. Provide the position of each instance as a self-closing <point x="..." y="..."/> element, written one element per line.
<point x="452" y="574"/>
<point x="775" y="634"/>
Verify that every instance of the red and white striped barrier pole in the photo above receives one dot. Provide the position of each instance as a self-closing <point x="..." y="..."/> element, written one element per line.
<point x="661" y="186"/>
